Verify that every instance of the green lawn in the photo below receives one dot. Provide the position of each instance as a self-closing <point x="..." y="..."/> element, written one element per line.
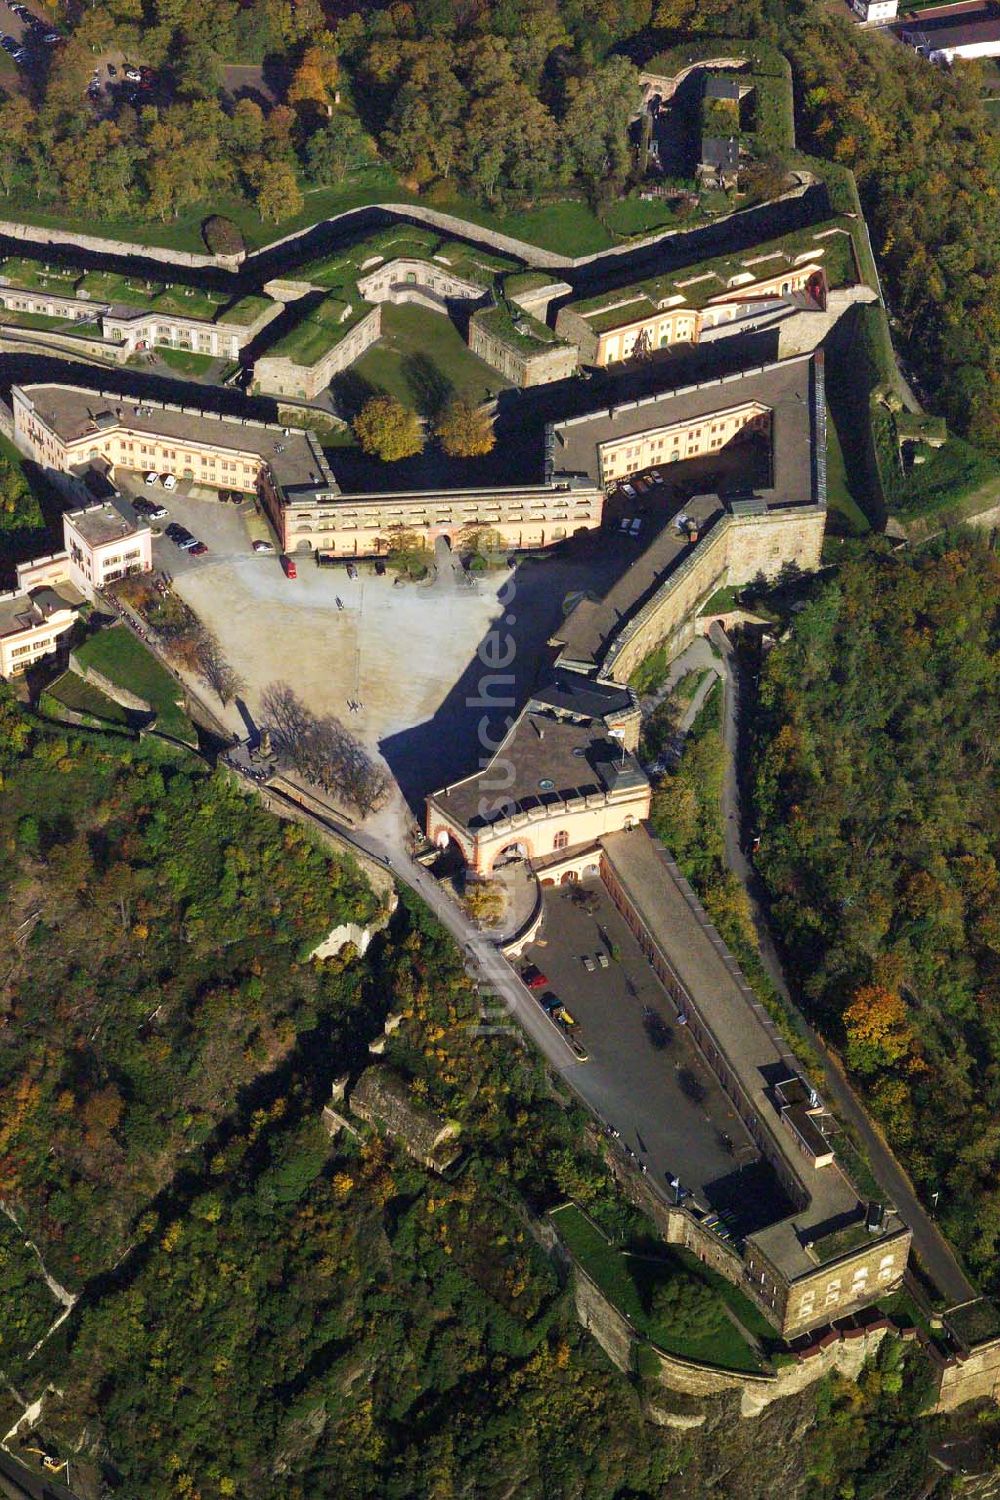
<point x="951" y="477"/>
<point x="839" y="499"/>
<point x="185" y="361"/>
<point x="124" y="660"/>
<point x="72" y="692"/>
<point x="37" y="320"/>
<point x="634" y="216"/>
<point x="627" y="1281"/>
<point x="568" y="226"/>
<point x="422" y="360"/>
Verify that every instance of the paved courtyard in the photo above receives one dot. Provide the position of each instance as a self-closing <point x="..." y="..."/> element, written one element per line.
<point x="644" y="1075"/>
<point x="408" y="652"/>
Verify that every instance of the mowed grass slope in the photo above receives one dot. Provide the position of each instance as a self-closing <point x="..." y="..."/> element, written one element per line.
<point x="628" y="1281"/>
<point x="121" y="658"/>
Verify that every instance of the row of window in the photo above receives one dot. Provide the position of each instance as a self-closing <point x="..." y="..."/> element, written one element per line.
<point x="34" y="648"/>
<point x="835" y="1293"/>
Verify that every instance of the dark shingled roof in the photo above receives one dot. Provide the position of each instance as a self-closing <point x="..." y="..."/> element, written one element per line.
<point x="571" y="693"/>
<point x="383" y="1098"/>
<point x="720" y="151"/>
<point x="551" y="760"/>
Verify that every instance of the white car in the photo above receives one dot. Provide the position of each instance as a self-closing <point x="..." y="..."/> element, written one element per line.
<point x="152" y="478"/>
<point x="133" y="75"/>
<point x="263" y="547"/>
<point x="629" y="490"/>
<point x="588" y="964"/>
<point x="169" y="482"/>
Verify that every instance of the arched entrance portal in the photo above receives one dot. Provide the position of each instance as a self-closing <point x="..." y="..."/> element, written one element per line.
<point x="511" y="854"/>
<point x="570" y="878"/>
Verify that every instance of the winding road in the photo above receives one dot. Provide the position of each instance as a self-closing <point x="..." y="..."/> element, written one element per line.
<point x="932" y="1249"/>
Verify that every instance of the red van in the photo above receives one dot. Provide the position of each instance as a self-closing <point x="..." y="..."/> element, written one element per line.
<point x="291" y="571"/>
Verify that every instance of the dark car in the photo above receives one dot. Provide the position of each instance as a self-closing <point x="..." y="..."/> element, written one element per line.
<point x="181" y="536"/>
<point x="112" y="71"/>
<point x="152" y="509"/>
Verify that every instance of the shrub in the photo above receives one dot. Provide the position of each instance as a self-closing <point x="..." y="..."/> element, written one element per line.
<point x="222" y="236"/>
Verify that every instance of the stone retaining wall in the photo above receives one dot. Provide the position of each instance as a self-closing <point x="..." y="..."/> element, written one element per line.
<point x="844" y="1350"/>
<point x="733" y="552"/>
<point x="41" y="235"/>
<point x="110" y="689"/>
<point x="78" y="346"/>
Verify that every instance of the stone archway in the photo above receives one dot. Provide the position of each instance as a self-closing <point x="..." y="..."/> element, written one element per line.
<point x="569" y="878"/>
<point x="515" y="853"/>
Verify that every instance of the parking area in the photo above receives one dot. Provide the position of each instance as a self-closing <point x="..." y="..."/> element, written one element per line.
<point x="641" y="505"/>
<point x="644" y="1076"/>
<point x="26" y="38"/>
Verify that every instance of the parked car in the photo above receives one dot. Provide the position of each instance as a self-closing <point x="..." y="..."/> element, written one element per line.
<point x="263" y="547"/>
<point x="112" y="70"/>
<point x="535" y="979"/>
<point x="180" y="535"/>
<point x="133" y="75"/>
<point x="548" y="1001"/>
<point x="189" y="543"/>
<point x="152" y="478"/>
<point x="602" y="960"/>
<point x="291" y="571"/>
<point x="628" y="489"/>
<point x="199" y="549"/>
<point x="168" y="481"/>
<point x="152" y="509"/>
<point x="588" y="963"/>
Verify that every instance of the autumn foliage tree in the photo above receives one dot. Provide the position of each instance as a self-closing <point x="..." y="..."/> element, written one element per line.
<point x="314" y="81"/>
<point x="387" y="429"/>
<point x="877" y="1028"/>
<point x="465" y="430"/>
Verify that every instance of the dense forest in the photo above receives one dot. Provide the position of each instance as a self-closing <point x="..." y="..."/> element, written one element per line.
<point x="263" y="1311"/>
<point x="877" y="790"/>
<point x="514" y="103"/>
<point x="156" y="922"/>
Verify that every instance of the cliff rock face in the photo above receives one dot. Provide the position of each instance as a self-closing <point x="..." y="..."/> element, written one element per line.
<point x="732" y="1459"/>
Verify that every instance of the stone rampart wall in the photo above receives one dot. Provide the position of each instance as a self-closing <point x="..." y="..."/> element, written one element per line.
<point x="39" y="235"/>
<point x="975" y="1377"/>
<point x="69" y="345"/>
<point x="110" y="689"/>
<point x="609" y="1327"/>
<point x="844" y="1350"/>
<point x="733" y="553"/>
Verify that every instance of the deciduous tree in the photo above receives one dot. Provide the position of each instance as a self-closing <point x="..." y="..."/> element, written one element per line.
<point x="387" y="429"/>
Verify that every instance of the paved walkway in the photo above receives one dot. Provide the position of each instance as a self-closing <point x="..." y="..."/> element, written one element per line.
<point x="933" y="1250"/>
